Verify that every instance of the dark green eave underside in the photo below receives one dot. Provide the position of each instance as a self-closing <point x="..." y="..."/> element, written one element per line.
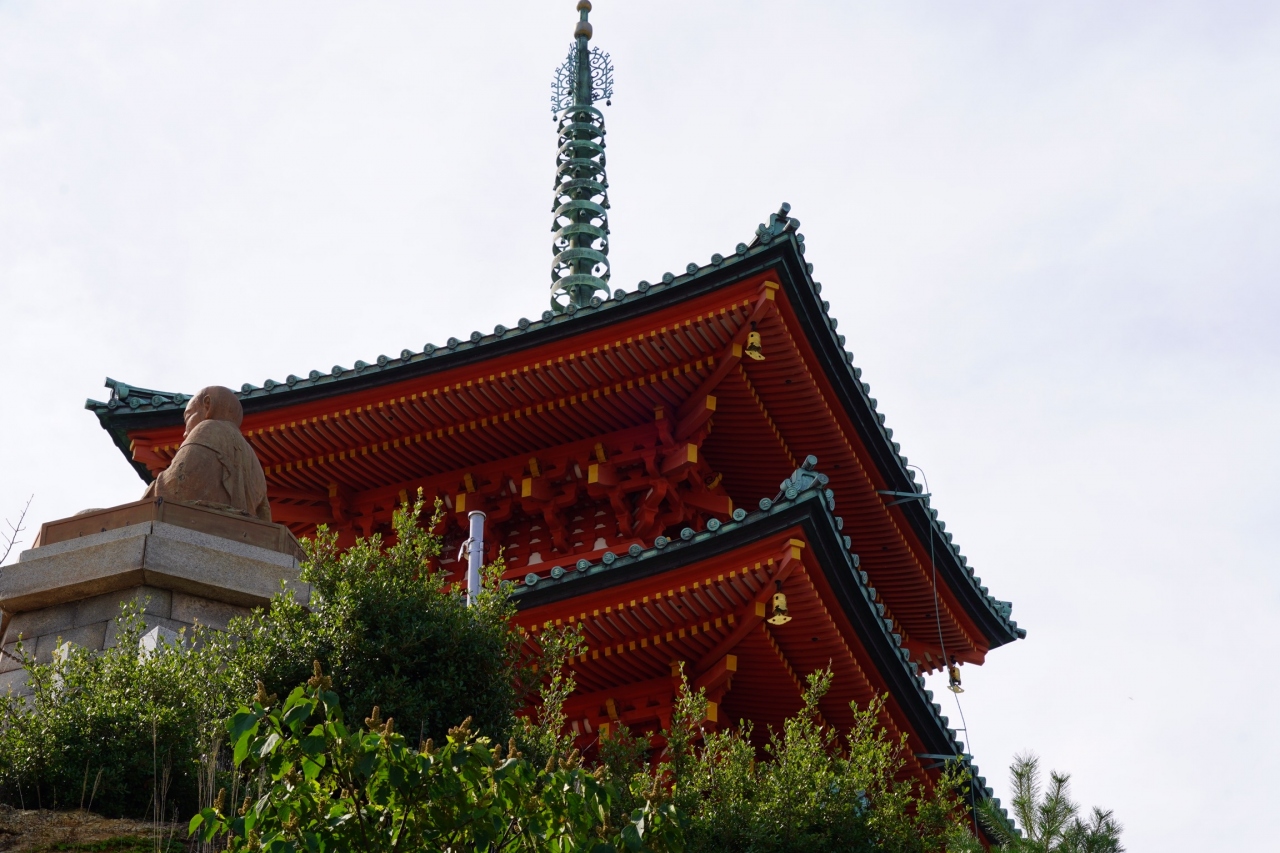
<point x="118" y="428"/>
<point x="779" y="248"/>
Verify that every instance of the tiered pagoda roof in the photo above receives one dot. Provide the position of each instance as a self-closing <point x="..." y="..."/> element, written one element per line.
<point x="652" y="371"/>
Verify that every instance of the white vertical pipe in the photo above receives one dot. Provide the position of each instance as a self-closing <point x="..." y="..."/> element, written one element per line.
<point x="475" y="554"/>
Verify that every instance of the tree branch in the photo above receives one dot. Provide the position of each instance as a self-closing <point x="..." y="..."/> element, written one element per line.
<point x="11" y="538"/>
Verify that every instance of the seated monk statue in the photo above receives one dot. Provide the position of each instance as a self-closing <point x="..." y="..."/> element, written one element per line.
<point x="215" y="465"/>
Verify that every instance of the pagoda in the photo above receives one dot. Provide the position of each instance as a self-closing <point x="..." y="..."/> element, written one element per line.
<point x="692" y="471"/>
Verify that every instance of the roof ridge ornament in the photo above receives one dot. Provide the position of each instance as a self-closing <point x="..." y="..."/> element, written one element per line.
<point x="802" y="479"/>
<point x="779" y="224"/>
<point x="123" y="394"/>
<point x="580" y="270"/>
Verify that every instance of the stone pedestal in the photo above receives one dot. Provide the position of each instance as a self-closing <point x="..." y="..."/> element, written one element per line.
<point x="184" y="564"/>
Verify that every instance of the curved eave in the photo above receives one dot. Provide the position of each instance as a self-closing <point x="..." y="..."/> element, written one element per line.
<point x="820" y="331"/>
<point x="121" y="419"/>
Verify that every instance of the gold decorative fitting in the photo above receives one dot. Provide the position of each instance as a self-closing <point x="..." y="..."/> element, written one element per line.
<point x="582" y="29"/>
<point x="584" y="5"/>
<point x="753" y="349"/>
<point x="780" y="615"/>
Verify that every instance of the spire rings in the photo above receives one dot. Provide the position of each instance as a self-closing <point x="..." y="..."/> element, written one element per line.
<point x="580" y="268"/>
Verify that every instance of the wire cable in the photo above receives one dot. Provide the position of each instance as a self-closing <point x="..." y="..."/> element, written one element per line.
<point x="937" y="618"/>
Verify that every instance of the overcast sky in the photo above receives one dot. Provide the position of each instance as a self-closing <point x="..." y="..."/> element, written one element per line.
<point x="1049" y="232"/>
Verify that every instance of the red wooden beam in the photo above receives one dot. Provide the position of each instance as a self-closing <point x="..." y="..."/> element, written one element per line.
<point x="752" y="616"/>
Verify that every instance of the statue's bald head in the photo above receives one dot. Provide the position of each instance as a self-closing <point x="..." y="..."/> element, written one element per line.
<point x="214" y="403"/>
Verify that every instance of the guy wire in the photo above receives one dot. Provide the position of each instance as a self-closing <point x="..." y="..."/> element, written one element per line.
<point x="946" y="662"/>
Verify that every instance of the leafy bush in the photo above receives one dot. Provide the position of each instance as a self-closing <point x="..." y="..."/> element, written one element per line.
<point x="326" y="788"/>
<point x="812" y="790"/>
<point x="127" y="731"/>
<point x="391" y="632"/>
<point x="117" y="729"/>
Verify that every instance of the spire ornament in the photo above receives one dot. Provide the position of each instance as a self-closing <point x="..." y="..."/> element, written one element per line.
<point x="580" y="269"/>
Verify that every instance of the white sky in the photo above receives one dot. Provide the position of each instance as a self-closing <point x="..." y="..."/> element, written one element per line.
<point x="1050" y="235"/>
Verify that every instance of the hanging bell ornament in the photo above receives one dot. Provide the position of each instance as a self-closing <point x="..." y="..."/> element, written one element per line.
<point x="753" y="346"/>
<point x="953" y="679"/>
<point x="780" y="615"/>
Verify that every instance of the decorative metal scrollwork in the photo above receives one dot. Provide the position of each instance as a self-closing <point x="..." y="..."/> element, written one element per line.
<point x="565" y="82"/>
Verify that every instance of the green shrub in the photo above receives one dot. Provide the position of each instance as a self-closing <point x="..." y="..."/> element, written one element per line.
<point x="117" y="728"/>
<point x="391" y="632"/>
<point x="326" y="788"/>
<point x="390" y="629"/>
<point x="321" y="787"/>
<point x="812" y="790"/>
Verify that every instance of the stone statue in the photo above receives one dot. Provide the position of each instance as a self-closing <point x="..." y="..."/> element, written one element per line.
<point x="215" y="465"/>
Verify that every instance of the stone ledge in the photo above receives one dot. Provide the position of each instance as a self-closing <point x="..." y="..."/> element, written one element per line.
<point x="169" y="531"/>
<point x="221" y="522"/>
<point x="38" y="552"/>
<point x="93" y="569"/>
<point x="198" y="571"/>
<point x="152" y="554"/>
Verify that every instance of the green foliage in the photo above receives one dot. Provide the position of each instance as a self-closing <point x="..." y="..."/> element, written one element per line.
<point x="624" y="757"/>
<point x="812" y="791"/>
<point x="328" y="788"/>
<point x="392" y="633"/>
<point x="544" y="735"/>
<point x="115" y="728"/>
<point x="125" y="731"/>
<point x="130" y="731"/>
<point x="621" y="757"/>
<point x="1050" y="819"/>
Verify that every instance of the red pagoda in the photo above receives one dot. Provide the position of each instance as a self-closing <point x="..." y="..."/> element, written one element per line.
<point x="648" y="465"/>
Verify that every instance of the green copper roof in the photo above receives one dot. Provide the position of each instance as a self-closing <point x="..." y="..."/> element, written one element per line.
<point x="777" y="244"/>
<point x="780" y="228"/>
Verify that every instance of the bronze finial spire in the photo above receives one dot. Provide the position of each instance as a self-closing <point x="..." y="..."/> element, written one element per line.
<point x="580" y="270"/>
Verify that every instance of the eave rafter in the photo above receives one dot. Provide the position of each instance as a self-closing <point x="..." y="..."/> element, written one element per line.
<point x="643" y="474"/>
<point x="475" y="417"/>
<point x="795" y="400"/>
<point x="634" y="649"/>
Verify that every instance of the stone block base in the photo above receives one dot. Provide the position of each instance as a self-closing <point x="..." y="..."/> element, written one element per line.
<point x="71" y="591"/>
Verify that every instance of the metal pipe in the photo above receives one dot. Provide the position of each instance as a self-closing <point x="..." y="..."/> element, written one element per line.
<point x="475" y="554"/>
